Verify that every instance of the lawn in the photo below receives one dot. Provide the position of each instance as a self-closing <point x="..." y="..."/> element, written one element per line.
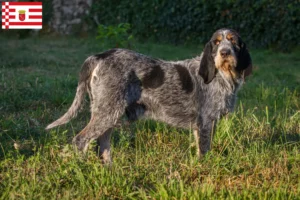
<point x="255" y="155"/>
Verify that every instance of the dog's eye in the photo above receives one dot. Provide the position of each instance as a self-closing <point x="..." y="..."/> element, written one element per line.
<point x="217" y="42"/>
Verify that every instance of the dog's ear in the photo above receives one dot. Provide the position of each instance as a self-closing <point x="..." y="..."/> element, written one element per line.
<point x="207" y="65"/>
<point x="244" y="63"/>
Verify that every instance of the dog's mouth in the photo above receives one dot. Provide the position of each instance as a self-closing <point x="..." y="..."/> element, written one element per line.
<point x="228" y="66"/>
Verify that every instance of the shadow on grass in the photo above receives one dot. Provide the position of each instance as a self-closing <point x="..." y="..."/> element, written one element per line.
<point x="284" y="138"/>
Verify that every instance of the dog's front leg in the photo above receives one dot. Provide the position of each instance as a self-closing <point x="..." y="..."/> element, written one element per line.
<point x="197" y="140"/>
<point x="204" y="135"/>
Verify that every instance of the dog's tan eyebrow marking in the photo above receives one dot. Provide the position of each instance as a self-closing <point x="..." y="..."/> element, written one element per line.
<point x="230" y="36"/>
<point x="154" y="78"/>
<point x="219" y="37"/>
<point x="185" y="78"/>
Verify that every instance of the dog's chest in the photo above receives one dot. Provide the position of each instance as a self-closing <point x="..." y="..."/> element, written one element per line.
<point x="216" y="99"/>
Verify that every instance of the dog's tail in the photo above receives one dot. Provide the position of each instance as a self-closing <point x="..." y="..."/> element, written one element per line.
<point x="73" y="110"/>
<point x="86" y="71"/>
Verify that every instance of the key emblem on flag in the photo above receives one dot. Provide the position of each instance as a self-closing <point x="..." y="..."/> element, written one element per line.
<point x="22" y="15"/>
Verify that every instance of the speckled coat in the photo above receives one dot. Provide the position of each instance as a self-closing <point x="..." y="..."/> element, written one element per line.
<point x="190" y="94"/>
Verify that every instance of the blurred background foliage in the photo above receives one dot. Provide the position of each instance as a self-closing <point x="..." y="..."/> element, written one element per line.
<point x="115" y="36"/>
<point x="263" y="24"/>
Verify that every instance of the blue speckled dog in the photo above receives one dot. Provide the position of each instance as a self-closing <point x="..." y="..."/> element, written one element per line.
<point x="192" y="93"/>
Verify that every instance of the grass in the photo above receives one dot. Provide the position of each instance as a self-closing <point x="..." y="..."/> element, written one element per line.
<point x="255" y="155"/>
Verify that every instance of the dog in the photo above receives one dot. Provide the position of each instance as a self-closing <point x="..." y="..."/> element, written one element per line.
<point x="192" y="94"/>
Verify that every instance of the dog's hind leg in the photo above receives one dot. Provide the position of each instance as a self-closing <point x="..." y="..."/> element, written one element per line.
<point x="111" y="92"/>
<point x="107" y="106"/>
<point x="98" y="127"/>
<point x="103" y="146"/>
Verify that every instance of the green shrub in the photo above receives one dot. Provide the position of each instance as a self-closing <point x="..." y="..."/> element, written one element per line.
<point x="115" y="36"/>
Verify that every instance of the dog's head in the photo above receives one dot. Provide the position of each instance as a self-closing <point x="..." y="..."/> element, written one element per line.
<point x="227" y="53"/>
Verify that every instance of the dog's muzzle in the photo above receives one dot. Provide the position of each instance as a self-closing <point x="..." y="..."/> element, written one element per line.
<point x="225" y="52"/>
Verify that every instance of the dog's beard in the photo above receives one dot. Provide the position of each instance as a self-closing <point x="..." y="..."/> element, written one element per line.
<point x="227" y="65"/>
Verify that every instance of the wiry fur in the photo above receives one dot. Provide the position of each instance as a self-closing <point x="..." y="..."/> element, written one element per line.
<point x="192" y="93"/>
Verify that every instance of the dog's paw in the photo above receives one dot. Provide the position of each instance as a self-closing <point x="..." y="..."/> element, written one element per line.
<point x="79" y="144"/>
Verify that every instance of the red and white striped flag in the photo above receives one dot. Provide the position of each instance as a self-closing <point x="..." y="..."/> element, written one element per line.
<point x="21" y="15"/>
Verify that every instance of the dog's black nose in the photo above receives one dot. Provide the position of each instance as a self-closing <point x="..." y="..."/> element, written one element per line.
<point x="225" y="52"/>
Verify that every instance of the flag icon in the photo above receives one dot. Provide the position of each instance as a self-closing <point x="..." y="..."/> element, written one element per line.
<point x="22" y="15"/>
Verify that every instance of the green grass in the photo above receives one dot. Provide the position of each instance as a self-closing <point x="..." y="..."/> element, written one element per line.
<point x="255" y="155"/>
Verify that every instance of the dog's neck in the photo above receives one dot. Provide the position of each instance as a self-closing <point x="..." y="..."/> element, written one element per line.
<point x="229" y="82"/>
